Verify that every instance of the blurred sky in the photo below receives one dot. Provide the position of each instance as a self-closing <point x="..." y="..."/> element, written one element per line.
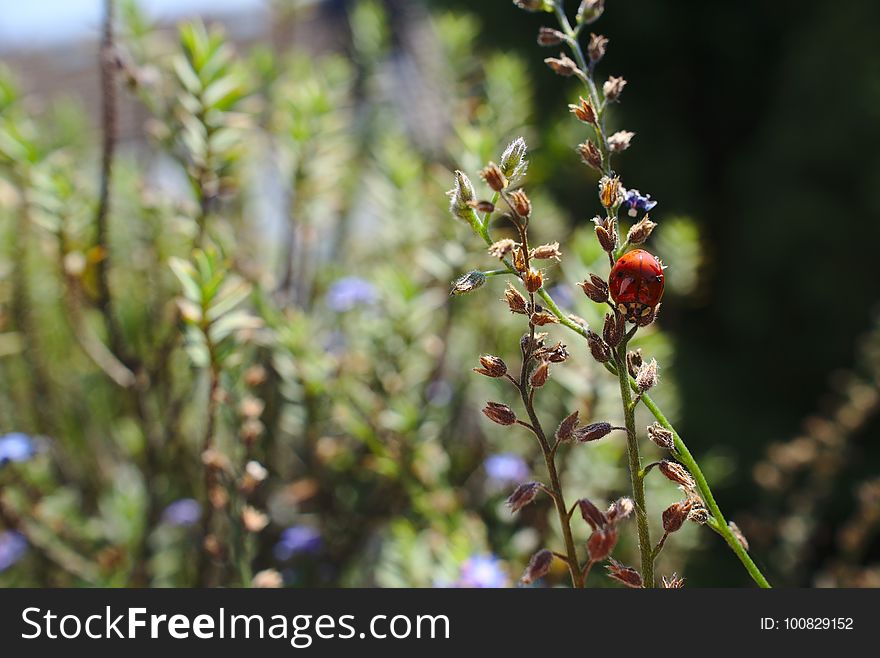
<point x="36" y="23"/>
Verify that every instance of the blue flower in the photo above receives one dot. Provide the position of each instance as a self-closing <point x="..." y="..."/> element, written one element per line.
<point x="483" y="571"/>
<point x="506" y="468"/>
<point x="350" y="292"/>
<point x="183" y="512"/>
<point x="13" y="546"/>
<point x="16" y="447"/>
<point x="298" y="539"/>
<point x="634" y="201"/>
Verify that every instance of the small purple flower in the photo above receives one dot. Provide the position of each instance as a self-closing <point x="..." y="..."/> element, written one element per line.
<point x="482" y="571"/>
<point x="298" y="539"/>
<point x="16" y="447"/>
<point x="634" y="201"/>
<point x="13" y="547"/>
<point x="506" y="468"/>
<point x="350" y="292"/>
<point x="183" y="512"/>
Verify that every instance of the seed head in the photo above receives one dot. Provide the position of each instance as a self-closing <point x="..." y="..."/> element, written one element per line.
<point x="540" y="375"/>
<point x="612" y="88"/>
<point x="542" y="318"/>
<point x="598" y="347"/>
<point x="596" y="47"/>
<point x="592" y="432"/>
<point x="494" y="177"/>
<point x="563" y="65"/>
<point x="620" y="140"/>
<point x="596" y="289"/>
<point x="491" y="366"/>
<point x="468" y="283"/>
<point x="521" y="204"/>
<point x="661" y="436"/>
<point x="547" y="252"/>
<point x="499" y="413"/>
<point x="675" y="515"/>
<point x="646" y="378"/>
<point x="515" y="300"/>
<point x="539" y="566"/>
<point x="589" y="11"/>
<point x="677" y="473"/>
<point x="547" y="36"/>
<point x="613" y="329"/>
<point x="584" y="111"/>
<point x="501" y="248"/>
<point x="626" y="575"/>
<point x="513" y="160"/>
<point x="523" y="495"/>
<point x="554" y="354"/>
<point x="590" y="155"/>
<point x="533" y="280"/>
<point x="641" y="231"/>
<point x="565" y="431"/>
<point x="460" y="194"/>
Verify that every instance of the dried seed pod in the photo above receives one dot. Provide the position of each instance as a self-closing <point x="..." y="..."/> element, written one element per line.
<point x="533" y="280"/>
<point x="699" y="515"/>
<point x="499" y="413"/>
<point x="565" y="431"/>
<point x="554" y="354"/>
<point x="620" y="140"/>
<point x="607" y="239"/>
<point x="543" y="317"/>
<point x="661" y="436"/>
<point x="675" y="515"/>
<point x="563" y="65"/>
<point x="596" y="289"/>
<point x="612" y="89"/>
<point x="590" y="155"/>
<point x="592" y="432"/>
<point x="539" y="566"/>
<point x="494" y="177"/>
<point x="547" y="252"/>
<point x="540" y="375"/>
<point x="613" y="329"/>
<point x="677" y="473"/>
<point x="515" y="301"/>
<point x="547" y="36"/>
<point x="601" y="543"/>
<point x="610" y="192"/>
<point x="491" y="366"/>
<point x="598" y="347"/>
<point x="646" y="377"/>
<point x="520" y="203"/>
<point x="519" y="259"/>
<point x="500" y="248"/>
<point x="740" y="537"/>
<point x="592" y="514"/>
<point x="584" y="111"/>
<point x="640" y="231"/>
<point x="523" y="495"/>
<point x="596" y="47"/>
<point x="626" y="575"/>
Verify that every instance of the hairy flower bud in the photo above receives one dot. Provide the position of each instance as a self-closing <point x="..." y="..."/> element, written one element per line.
<point x="661" y="436"/>
<point x="601" y="543"/>
<point x="646" y="377"/>
<point x="515" y="301"/>
<point x="494" y="177"/>
<point x="565" y="431"/>
<point x="519" y="200"/>
<point x="563" y="65"/>
<point x="640" y="231"/>
<point x="592" y="514"/>
<point x="589" y="11"/>
<point x="598" y="347"/>
<point x="677" y="473"/>
<point x="492" y="366"/>
<point x="584" y="111"/>
<point x="596" y="289"/>
<point x="612" y="89"/>
<point x="460" y="195"/>
<point x="499" y="413"/>
<point x="590" y="155"/>
<point x="539" y="566"/>
<point x="523" y="495"/>
<point x="540" y="375"/>
<point x="513" y="161"/>
<point x="468" y="283"/>
<point x="547" y="36"/>
<point x="592" y="432"/>
<point x="596" y="47"/>
<point x="533" y="280"/>
<point x="620" y="509"/>
<point x="626" y="575"/>
<point x="620" y="141"/>
<point x="675" y="515"/>
<point x="546" y="252"/>
<point x="613" y="329"/>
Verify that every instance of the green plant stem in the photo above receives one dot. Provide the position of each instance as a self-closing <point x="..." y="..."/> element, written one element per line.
<point x="646" y="549"/>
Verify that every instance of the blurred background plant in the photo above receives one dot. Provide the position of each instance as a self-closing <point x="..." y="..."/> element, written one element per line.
<point x="273" y="387"/>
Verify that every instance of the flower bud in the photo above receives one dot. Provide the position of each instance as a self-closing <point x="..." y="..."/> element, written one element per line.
<point x="515" y="301"/>
<point x="592" y="432"/>
<point x="533" y="280"/>
<point x="547" y="252"/>
<point x="598" y="347"/>
<point x="620" y="140"/>
<point x="468" y="283"/>
<point x="612" y="89"/>
<point x="675" y="515"/>
<point x="523" y="495"/>
<point x="565" y="431"/>
<point x="547" y="36"/>
<point x="494" y="177"/>
<point x="626" y="575"/>
<point x="584" y="111"/>
<point x="613" y="329"/>
<point x="590" y="155"/>
<point x="563" y="65"/>
<point x="540" y="375"/>
<point x="640" y="231"/>
<point x="534" y="5"/>
<point x="596" y="47"/>
<point x="519" y="200"/>
<point x="499" y="413"/>
<point x="589" y="11"/>
<point x="513" y="163"/>
<point x="539" y="566"/>
<point x="492" y="366"/>
<point x="460" y="195"/>
<point x="596" y="289"/>
<point x="677" y="473"/>
<point x="661" y="436"/>
<point x="646" y="378"/>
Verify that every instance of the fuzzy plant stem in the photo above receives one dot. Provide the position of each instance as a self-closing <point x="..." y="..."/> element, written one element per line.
<point x="646" y="549"/>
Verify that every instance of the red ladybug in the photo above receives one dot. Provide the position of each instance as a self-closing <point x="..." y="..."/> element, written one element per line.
<point x="636" y="285"/>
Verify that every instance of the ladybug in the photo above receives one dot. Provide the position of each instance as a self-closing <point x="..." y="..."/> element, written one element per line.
<point x="636" y="286"/>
